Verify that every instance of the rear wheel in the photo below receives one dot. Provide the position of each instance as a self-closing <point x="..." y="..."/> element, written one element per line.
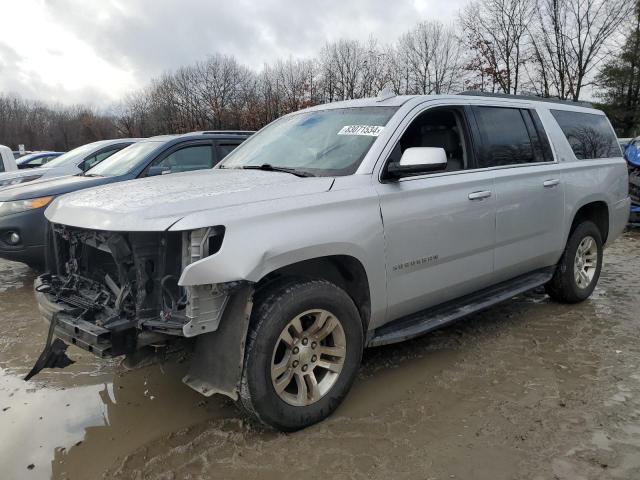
<point x="579" y="268"/>
<point x="303" y="351"/>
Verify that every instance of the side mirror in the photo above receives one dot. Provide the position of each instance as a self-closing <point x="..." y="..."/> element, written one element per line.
<point x="419" y="160"/>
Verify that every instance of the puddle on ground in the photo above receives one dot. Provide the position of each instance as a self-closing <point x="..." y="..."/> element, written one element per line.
<point x="526" y="390"/>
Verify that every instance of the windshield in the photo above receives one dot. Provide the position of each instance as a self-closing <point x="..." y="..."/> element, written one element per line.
<point x="72" y="157"/>
<point x="124" y="161"/>
<point x="323" y="143"/>
<point x="27" y="157"/>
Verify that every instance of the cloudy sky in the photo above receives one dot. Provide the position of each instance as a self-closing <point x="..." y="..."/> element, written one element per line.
<point x="72" y="51"/>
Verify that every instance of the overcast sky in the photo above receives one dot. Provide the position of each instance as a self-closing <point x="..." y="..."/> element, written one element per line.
<point x="80" y="51"/>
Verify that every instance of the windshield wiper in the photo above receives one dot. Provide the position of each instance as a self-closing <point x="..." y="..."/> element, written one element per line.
<point x="270" y="168"/>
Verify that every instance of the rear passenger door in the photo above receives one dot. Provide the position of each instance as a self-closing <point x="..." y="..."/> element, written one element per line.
<point x="528" y="188"/>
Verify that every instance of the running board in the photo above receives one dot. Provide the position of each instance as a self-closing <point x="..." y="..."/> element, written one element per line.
<point x="432" y="318"/>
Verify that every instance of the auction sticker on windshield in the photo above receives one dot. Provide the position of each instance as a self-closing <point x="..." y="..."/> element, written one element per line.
<point x="368" y="130"/>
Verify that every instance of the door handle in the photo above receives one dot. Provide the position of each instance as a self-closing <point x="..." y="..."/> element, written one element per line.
<point x="551" y="183"/>
<point x="479" y="195"/>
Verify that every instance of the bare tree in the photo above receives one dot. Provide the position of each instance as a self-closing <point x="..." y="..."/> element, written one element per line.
<point x="428" y="60"/>
<point x="570" y="38"/>
<point x="496" y="31"/>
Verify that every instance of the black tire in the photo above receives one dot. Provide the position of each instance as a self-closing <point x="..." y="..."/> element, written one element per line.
<point x="563" y="287"/>
<point x="273" y="309"/>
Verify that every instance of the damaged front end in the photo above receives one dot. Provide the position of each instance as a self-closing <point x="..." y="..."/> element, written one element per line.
<point x="114" y="293"/>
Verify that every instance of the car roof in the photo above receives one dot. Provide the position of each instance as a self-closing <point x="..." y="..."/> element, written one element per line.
<point x="207" y="134"/>
<point x="391" y="100"/>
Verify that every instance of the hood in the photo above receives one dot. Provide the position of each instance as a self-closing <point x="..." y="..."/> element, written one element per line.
<point x="44" y="172"/>
<point x="156" y="203"/>
<point x="45" y="187"/>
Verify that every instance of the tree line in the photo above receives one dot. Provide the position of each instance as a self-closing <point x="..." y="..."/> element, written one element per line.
<point x="548" y="48"/>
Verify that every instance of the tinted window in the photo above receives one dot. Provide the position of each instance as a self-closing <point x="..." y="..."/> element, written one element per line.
<point x="504" y="136"/>
<point x="94" y="160"/>
<point x="589" y="135"/>
<point x="195" y="157"/>
<point x="225" y="149"/>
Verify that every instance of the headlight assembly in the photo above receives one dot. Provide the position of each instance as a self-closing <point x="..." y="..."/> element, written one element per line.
<point x="16" y="181"/>
<point x="7" y="208"/>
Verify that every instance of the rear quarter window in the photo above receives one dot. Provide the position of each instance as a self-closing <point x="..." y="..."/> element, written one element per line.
<point x="590" y="135"/>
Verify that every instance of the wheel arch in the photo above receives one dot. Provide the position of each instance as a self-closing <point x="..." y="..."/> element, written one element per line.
<point x="595" y="211"/>
<point x="344" y="271"/>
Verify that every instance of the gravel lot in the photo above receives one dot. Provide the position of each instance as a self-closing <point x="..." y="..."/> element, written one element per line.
<point x="526" y="390"/>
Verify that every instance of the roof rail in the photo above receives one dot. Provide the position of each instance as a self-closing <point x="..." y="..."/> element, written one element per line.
<point x="476" y="93"/>
<point x="229" y="132"/>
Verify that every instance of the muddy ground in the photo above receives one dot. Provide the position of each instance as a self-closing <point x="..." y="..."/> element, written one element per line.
<point x="527" y="390"/>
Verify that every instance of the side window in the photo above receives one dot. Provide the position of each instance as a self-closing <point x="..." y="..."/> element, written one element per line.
<point x="589" y="134"/>
<point x="36" y="162"/>
<point x="192" y="157"/>
<point x="442" y="128"/>
<point x="225" y="148"/>
<point x="93" y="160"/>
<point x="1" y="164"/>
<point x="505" y="137"/>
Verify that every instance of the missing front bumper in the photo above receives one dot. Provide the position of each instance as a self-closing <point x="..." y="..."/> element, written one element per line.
<point x="88" y="336"/>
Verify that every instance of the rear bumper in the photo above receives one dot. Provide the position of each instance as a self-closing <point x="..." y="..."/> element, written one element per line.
<point x="31" y="226"/>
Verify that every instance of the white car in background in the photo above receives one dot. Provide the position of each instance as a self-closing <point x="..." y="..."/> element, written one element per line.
<point x="7" y="162"/>
<point x="76" y="161"/>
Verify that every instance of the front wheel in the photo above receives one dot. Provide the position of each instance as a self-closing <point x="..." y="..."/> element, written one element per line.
<point x="579" y="268"/>
<point x="303" y="352"/>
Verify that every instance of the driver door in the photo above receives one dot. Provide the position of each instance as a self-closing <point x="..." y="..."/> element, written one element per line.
<point x="439" y="227"/>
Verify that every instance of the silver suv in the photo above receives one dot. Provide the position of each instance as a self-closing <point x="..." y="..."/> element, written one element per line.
<point x="335" y="228"/>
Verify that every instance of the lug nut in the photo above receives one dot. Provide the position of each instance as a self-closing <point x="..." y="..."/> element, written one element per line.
<point x="295" y="363"/>
<point x="304" y="368"/>
<point x="305" y="341"/>
<point x="314" y="344"/>
<point x="295" y="350"/>
<point x="314" y="358"/>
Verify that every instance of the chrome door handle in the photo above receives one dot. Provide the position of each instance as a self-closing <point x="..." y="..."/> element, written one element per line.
<point x="479" y="195"/>
<point x="551" y="183"/>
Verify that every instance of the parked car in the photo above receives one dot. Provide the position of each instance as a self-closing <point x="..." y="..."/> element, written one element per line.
<point x="7" y="160"/>
<point x="76" y="161"/>
<point x="624" y="142"/>
<point x="343" y="226"/>
<point x="632" y="155"/>
<point x="22" y="221"/>
<point x="36" y="159"/>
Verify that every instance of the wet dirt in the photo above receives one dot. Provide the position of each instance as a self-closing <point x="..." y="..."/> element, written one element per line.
<point x="529" y="389"/>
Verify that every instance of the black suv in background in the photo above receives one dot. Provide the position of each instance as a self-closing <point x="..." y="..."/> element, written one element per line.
<point x="22" y="220"/>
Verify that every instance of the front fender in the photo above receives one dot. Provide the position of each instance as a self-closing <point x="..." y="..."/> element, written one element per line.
<point x="262" y="238"/>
